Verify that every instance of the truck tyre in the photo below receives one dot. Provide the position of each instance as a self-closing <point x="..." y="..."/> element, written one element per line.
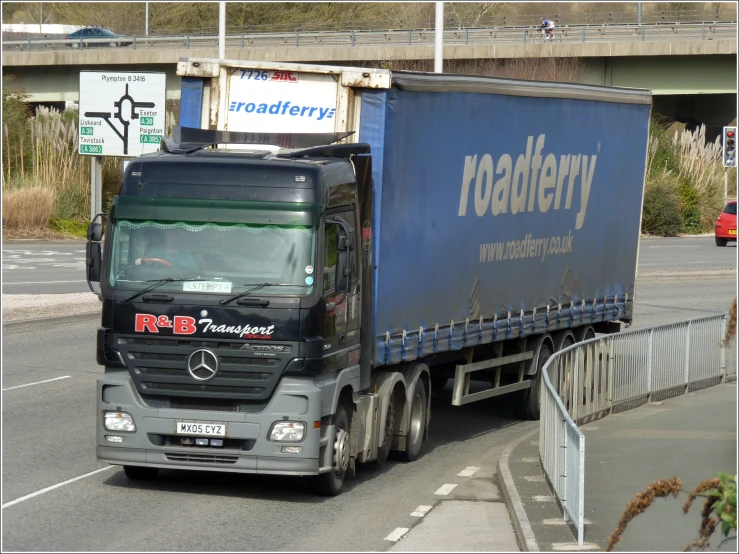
<point x="139" y="473"/>
<point x="384" y="451"/>
<point x="417" y="424"/>
<point x="530" y="405"/>
<point x="438" y="383"/>
<point x="331" y="482"/>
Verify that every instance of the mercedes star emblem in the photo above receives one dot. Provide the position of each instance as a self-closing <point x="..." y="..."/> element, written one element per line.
<point x="202" y="365"/>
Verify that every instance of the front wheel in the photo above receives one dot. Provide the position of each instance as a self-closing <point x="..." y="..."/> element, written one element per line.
<point x="721" y="242"/>
<point x="331" y="482"/>
<point x="417" y="425"/>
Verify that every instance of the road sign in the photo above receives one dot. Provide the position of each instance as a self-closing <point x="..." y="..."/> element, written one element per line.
<point x="121" y="113"/>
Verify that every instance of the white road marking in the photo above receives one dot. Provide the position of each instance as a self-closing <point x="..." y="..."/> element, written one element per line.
<point x="589" y="428"/>
<point x="571" y="546"/>
<point x="46" y="282"/>
<point x="396" y="535"/>
<point x="529" y="460"/>
<point x="445" y="489"/>
<point x="534" y="478"/>
<point x="543" y="498"/>
<point x="38" y="383"/>
<point x="51" y="488"/>
<point x="421" y="511"/>
<point x="468" y="472"/>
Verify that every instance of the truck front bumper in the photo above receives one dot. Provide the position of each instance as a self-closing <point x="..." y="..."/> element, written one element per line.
<point x="247" y="448"/>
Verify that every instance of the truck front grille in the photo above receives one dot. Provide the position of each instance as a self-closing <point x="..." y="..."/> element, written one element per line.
<point x="159" y="367"/>
<point x="183" y="373"/>
<point x="192" y="387"/>
<point x="197" y="458"/>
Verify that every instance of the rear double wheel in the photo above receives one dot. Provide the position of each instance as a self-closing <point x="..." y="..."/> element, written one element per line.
<point x="417" y="422"/>
<point x="530" y="405"/>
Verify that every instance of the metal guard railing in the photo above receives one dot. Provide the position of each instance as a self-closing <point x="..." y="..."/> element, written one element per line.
<point x="591" y="379"/>
<point x="452" y="37"/>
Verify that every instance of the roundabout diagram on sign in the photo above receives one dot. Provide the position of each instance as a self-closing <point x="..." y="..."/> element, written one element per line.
<point x="120" y="116"/>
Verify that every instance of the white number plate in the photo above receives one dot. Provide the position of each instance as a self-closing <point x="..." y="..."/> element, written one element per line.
<point x="206" y="286"/>
<point x="201" y="429"/>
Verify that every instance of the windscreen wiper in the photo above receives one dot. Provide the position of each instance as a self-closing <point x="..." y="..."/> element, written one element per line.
<point x="256" y="286"/>
<point x="158" y="283"/>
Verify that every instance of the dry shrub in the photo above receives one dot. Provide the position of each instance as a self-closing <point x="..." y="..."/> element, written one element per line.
<point x="28" y="208"/>
<point x="642" y="501"/>
<point x="56" y="163"/>
<point x="699" y="163"/>
<point x="731" y="323"/>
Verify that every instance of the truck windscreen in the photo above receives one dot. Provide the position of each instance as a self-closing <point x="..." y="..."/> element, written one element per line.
<point x="214" y="257"/>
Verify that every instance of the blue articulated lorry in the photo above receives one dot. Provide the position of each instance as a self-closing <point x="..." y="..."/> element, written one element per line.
<point x="317" y="250"/>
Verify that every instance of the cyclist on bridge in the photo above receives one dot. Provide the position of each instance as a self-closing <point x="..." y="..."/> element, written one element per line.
<point x="548" y="26"/>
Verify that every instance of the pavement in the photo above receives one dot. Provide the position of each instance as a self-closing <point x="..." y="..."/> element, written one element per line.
<point x="691" y="437"/>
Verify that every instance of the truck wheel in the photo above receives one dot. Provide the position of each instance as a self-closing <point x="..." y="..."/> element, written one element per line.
<point x="530" y="405"/>
<point x="331" y="482"/>
<point x="438" y="383"/>
<point x="384" y="451"/>
<point x="138" y="473"/>
<point x="417" y="426"/>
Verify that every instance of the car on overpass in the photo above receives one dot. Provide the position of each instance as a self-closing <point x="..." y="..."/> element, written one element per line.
<point x="725" y="229"/>
<point x="90" y="37"/>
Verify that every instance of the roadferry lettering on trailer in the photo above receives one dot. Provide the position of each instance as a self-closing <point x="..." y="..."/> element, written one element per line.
<point x="185" y="325"/>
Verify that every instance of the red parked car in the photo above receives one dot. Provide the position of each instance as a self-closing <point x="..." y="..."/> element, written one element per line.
<point x="726" y="224"/>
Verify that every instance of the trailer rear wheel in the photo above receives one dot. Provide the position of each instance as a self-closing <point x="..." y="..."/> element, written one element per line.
<point x="139" y="473"/>
<point x="417" y="424"/>
<point x="331" y="482"/>
<point x="529" y="407"/>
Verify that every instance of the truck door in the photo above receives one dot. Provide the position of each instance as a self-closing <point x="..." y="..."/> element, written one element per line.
<point x="341" y="330"/>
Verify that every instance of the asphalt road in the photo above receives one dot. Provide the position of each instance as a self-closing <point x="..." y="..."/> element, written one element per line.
<point x="48" y="414"/>
<point x="37" y="267"/>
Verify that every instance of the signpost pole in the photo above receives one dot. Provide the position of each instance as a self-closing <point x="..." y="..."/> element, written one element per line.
<point x="96" y="186"/>
<point x="439" y="39"/>
<point x="726" y="185"/>
<point x="222" y="30"/>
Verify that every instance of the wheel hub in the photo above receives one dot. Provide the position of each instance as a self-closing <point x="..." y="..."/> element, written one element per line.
<point x="341" y="451"/>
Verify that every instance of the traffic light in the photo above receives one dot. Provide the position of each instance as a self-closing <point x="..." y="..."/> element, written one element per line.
<point x="729" y="145"/>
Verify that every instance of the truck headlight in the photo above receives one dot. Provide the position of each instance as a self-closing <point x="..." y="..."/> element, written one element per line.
<point x="119" y="421"/>
<point x="292" y="431"/>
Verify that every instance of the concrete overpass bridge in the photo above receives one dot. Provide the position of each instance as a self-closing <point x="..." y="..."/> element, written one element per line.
<point x="690" y="68"/>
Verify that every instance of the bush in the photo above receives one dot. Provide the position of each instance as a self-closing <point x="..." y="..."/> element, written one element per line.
<point x="689" y="208"/>
<point x="28" y="208"/>
<point x="661" y="212"/>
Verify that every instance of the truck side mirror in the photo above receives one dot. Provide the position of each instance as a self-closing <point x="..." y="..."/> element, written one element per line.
<point x="94" y="260"/>
<point x="343" y="273"/>
<point x="95" y="232"/>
